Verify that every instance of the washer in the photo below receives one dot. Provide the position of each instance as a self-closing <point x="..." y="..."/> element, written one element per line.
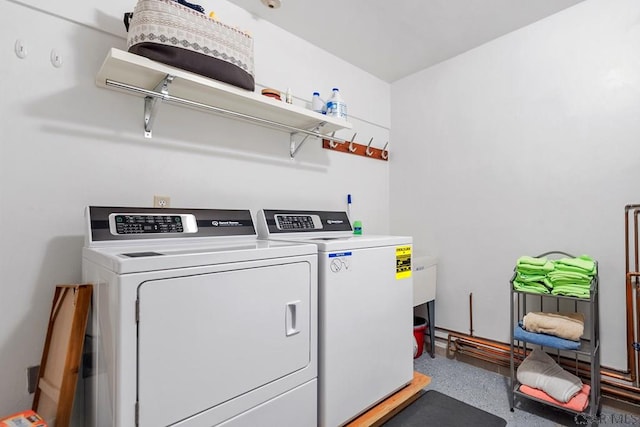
<point x="365" y="309"/>
<point x="195" y="322"/>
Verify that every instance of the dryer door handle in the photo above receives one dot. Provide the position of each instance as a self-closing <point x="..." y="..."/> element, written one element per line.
<point x="291" y="318"/>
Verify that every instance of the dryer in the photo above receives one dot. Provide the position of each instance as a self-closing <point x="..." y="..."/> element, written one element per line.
<point x="195" y="322"/>
<point x="365" y="309"/>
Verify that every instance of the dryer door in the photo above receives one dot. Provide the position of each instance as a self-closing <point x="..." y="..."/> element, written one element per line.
<point x="206" y="339"/>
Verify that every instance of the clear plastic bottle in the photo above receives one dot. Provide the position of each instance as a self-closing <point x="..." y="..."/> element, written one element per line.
<point x="317" y="104"/>
<point x="336" y="107"/>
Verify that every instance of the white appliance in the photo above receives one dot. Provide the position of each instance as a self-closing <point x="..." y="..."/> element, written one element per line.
<point x="365" y="309"/>
<point x="197" y="323"/>
<point x="425" y="272"/>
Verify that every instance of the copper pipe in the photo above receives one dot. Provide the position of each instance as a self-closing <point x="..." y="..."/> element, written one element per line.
<point x="499" y="348"/>
<point x="637" y="328"/>
<point x="631" y="397"/>
<point x="626" y="239"/>
<point x="633" y="362"/>
<point x="626" y="233"/>
<point x="636" y="337"/>
<point x="499" y="353"/>
<point x="483" y="341"/>
<point x="459" y="344"/>
<point x="471" y="313"/>
<point x="580" y="366"/>
<point x="480" y="354"/>
<point x="628" y="294"/>
<point x="475" y="355"/>
<point x="635" y="239"/>
<point x="621" y="386"/>
<point x="632" y="359"/>
<point x="631" y="344"/>
<point x="615" y="373"/>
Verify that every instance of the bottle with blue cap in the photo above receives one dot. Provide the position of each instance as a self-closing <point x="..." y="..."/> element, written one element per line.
<point x="317" y="104"/>
<point x="336" y="107"/>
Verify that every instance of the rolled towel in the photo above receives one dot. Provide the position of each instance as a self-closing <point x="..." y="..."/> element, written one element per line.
<point x="540" y="371"/>
<point x="564" y="325"/>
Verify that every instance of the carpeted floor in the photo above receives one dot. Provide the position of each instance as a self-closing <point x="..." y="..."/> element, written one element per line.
<point x="488" y="391"/>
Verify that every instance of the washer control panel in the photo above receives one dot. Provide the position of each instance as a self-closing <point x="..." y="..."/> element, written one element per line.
<point x="296" y="222"/>
<point x="132" y="223"/>
<point x="319" y="224"/>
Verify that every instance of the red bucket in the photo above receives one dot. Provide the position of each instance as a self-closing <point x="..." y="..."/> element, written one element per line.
<point x="419" y="328"/>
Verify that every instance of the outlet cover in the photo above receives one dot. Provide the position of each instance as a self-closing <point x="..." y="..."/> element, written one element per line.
<point x="32" y="378"/>
<point x="161" y="201"/>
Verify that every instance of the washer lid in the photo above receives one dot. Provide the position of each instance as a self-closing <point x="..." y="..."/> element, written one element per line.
<point x="329" y="230"/>
<point x="143" y="258"/>
<point x="331" y="244"/>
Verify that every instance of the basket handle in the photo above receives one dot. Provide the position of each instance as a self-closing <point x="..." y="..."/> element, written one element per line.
<point x="127" y="19"/>
<point x="555" y="253"/>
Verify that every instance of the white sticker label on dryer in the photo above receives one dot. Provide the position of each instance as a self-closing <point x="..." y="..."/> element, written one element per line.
<point x="340" y="261"/>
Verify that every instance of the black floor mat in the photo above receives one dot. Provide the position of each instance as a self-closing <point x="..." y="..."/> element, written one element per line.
<point x="437" y="409"/>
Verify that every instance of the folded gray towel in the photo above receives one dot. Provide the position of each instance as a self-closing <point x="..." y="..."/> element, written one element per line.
<point x="540" y="371"/>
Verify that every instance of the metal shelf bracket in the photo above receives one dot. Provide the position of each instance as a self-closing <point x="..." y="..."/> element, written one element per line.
<point x="128" y="72"/>
<point x="293" y="149"/>
<point x="151" y="104"/>
<point x="161" y="93"/>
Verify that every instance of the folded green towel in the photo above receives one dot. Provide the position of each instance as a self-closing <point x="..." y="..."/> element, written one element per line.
<point x="582" y="264"/>
<point x="531" y="260"/>
<point x="572" y="291"/>
<point x="565" y="267"/>
<point x="568" y="276"/>
<point x="548" y="283"/>
<point x="530" y="277"/>
<point x="535" y="268"/>
<point x="553" y="284"/>
<point x="532" y="287"/>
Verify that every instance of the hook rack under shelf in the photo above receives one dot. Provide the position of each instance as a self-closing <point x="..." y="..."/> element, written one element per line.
<point x="352" y="147"/>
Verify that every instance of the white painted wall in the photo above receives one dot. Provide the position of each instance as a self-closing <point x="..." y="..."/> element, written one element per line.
<point x="66" y="143"/>
<point x="526" y="144"/>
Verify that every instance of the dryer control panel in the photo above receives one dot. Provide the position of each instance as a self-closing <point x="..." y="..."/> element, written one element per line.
<point x="131" y="223"/>
<point x="111" y="224"/>
<point x="297" y="222"/>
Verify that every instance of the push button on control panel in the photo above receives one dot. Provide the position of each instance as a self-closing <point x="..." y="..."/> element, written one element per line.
<point x="292" y="222"/>
<point x="295" y="222"/>
<point x="135" y="224"/>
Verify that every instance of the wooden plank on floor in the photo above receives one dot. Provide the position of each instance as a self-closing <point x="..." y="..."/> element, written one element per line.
<point x="395" y="403"/>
